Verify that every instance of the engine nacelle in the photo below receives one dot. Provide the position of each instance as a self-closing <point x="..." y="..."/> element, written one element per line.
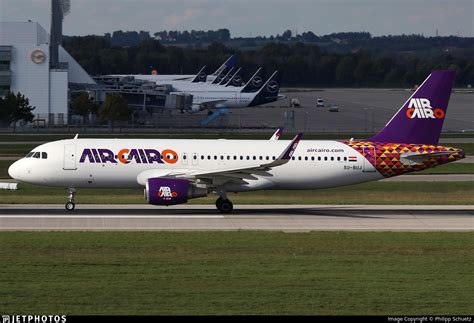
<point x="167" y="191"/>
<point x="194" y="109"/>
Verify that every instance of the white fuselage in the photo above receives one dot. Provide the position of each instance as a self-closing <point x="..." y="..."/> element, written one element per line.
<point x="166" y="78"/>
<point x="224" y="99"/>
<point x="230" y="96"/>
<point x="315" y="164"/>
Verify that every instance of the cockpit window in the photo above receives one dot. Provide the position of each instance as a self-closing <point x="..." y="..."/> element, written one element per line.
<point x="29" y="154"/>
<point x="44" y="155"/>
<point x="36" y="155"/>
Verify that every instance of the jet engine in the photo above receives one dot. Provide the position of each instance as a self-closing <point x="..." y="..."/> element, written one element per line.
<point x="194" y="109"/>
<point x="167" y="191"/>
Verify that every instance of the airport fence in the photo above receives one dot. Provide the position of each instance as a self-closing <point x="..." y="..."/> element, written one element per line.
<point x="244" y="120"/>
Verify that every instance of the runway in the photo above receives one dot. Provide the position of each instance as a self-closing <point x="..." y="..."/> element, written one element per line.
<point x="289" y="218"/>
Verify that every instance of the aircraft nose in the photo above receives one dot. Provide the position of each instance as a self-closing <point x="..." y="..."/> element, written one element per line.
<point x="14" y="170"/>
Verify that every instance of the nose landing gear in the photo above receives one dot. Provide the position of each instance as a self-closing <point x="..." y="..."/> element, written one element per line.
<point x="70" y="206"/>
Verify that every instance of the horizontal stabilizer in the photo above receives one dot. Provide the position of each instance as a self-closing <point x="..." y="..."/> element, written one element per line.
<point x="427" y="155"/>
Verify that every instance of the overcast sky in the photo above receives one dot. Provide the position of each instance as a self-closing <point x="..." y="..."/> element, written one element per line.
<point x="254" y="17"/>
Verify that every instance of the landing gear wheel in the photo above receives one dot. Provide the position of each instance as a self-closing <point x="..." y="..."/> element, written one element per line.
<point x="70" y="206"/>
<point x="225" y="206"/>
<point x="219" y="202"/>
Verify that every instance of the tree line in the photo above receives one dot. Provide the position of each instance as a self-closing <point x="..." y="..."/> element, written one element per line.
<point x="302" y="64"/>
<point x="340" y="41"/>
<point x="15" y="108"/>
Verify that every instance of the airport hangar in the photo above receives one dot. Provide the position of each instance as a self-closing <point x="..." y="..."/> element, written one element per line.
<point x="35" y="65"/>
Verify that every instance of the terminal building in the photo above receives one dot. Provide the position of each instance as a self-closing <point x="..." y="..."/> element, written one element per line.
<point x="33" y="64"/>
<point x="26" y="66"/>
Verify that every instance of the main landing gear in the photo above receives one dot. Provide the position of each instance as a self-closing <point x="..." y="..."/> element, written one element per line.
<point x="224" y="205"/>
<point x="70" y="206"/>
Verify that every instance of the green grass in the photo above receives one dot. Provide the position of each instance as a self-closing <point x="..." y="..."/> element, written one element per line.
<point x="388" y="193"/>
<point x="196" y="135"/>
<point x="457" y="168"/>
<point x="325" y="273"/>
<point x="4" y="164"/>
<point x="40" y="136"/>
<point x="10" y="150"/>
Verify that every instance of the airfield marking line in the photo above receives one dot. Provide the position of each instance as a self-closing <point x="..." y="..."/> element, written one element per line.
<point x="129" y="217"/>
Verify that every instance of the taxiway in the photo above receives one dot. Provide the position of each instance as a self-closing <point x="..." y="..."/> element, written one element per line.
<point x="245" y="217"/>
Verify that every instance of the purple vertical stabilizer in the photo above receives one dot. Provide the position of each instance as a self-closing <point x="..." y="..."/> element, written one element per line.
<point x="420" y="119"/>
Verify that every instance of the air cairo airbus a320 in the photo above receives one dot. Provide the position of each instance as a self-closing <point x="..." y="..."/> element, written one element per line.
<point x="174" y="171"/>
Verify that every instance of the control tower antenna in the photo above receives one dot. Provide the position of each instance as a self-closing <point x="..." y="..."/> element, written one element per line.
<point x="59" y="9"/>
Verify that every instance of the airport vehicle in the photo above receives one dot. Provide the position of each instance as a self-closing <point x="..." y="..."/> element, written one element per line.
<point x="333" y="108"/>
<point x="174" y="171"/>
<point x="320" y="103"/>
<point x="295" y="103"/>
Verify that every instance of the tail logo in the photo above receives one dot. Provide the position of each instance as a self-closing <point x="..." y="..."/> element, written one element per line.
<point x="421" y="109"/>
<point x="257" y="81"/>
<point x="272" y="87"/>
<point x="237" y="80"/>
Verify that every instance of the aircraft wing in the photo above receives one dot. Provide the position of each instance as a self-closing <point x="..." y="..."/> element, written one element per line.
<point x="219" y="177"/>
<point x="222" y="176"/>
<point x="189" y="78"/>
<point x="210" y="104"/>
